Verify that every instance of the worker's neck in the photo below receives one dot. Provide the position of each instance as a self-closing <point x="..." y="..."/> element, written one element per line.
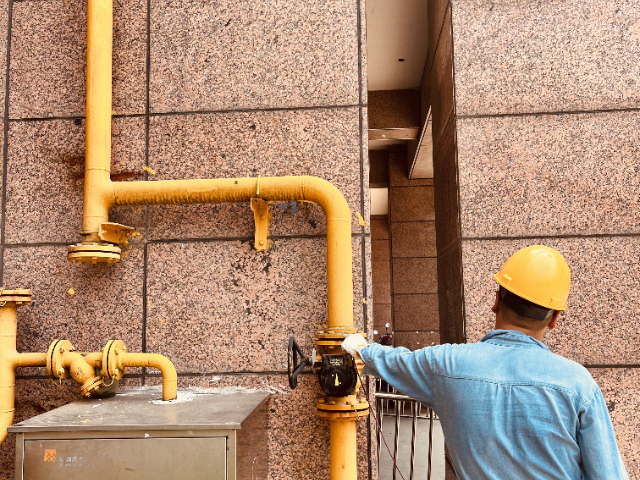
<point x="502" y="324"/>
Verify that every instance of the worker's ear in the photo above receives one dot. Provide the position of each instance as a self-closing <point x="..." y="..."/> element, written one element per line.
<point x="554" y="319"/>
<point x="496" y="305"/>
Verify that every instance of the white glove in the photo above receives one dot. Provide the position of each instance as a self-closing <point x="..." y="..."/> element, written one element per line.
<point x="352" y="342"/>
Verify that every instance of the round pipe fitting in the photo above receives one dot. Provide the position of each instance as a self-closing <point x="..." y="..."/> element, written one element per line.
<point x="112" y="356"/>
<point x="55" y="359"/>
<point x="94" y="253"/>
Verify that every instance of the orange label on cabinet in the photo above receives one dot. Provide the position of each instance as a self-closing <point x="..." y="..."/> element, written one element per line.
<point x="49" y="455"/>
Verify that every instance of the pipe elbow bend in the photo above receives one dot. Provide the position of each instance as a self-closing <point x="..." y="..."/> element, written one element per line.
<point x="328" y="196"/>
<point x="160" y="362"/>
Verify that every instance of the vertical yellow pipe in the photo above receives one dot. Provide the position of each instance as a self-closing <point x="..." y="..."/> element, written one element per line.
<point x="342" y="449"/>
<point x="98" y="127"/>
<point x="8" y="328"/>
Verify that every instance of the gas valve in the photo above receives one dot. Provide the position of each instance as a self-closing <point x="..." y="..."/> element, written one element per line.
<point x="337" y="372"/>
<point x="296" y="365"/>
<point x="338" y="376"/>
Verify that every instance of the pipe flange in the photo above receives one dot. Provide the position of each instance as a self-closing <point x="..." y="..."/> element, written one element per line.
<point x="19" y="296"/>
<point x="55" y="357"/>
<point x="91" y="387"/>
<point x="359" y="405"/>
<point x="112" y="353"/>
<point x="337" y="410"/>
<point x="94" y="253"/>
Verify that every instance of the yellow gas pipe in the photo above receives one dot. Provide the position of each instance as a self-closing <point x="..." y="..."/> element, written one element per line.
<point x="99" y="236"/>
<point x="89" y="369"/>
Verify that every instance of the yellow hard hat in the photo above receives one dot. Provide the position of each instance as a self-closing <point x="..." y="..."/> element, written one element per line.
<point x="538" y="274"/>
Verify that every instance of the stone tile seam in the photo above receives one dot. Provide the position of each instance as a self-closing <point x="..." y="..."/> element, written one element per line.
<point x="186" y="240"/>
<point x="147" y="127"/>
<point x="197" y="112"/>
<point x="550" y="113"/>
<point x="551" y="237"/>
<point x="5" y="146"/>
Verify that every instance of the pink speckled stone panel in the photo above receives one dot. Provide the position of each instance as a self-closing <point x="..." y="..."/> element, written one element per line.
<point x="298" y="438"/>
<point x="520" y="56"/>
<point x="223" y="307"/>
<point x="549" y="175"/>
<point x="106" y="303"/>
<point x="261" y="54"/>
<point x="48" y="58"/>
<point x="621" y="390"/>
<point x="34" y="397"/>
<point x="601" y="323"/>
<point x="4" y="17"/>
<point x="45" y="178"/>
<point x="322" y="142"/>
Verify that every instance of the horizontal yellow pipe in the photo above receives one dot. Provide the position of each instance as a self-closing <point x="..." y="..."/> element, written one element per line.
<point x="160" y="362"/>
<point x="29" y="360"/>
<point x="104" y="194"/>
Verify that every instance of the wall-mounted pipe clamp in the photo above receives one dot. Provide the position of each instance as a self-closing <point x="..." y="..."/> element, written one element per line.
<point x="260" y="210"/>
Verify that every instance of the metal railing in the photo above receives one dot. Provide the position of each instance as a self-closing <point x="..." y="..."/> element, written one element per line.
<point x="390" y="403"/>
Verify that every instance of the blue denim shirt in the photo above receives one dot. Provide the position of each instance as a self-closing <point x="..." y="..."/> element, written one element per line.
<point x="509" y="408"/>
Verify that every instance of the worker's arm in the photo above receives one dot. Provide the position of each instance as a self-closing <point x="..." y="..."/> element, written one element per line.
<point x="410" y="372"/>
<point x="600" y="456"/>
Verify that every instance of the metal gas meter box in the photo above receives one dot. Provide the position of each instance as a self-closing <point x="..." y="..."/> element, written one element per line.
<point x="134" y="436"/>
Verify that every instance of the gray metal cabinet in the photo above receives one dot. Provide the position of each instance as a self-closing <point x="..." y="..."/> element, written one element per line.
<point x="132" y="436"/>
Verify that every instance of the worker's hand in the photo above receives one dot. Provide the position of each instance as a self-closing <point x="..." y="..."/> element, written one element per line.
<point x="352" y="342"/>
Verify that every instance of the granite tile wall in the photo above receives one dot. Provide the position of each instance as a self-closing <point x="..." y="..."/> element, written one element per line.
<point x="413" y="255"/>
<point x="546" y="99"/>
<point x="223" y="89"/>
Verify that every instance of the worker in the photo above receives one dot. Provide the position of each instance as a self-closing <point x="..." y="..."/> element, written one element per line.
<point x="509" y="408"/>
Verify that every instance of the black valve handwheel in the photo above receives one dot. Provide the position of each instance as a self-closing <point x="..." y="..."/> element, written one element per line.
<point x="297" y="362"/>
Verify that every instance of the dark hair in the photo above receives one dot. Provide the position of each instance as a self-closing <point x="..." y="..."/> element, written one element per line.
<point x="524" y="308"/>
